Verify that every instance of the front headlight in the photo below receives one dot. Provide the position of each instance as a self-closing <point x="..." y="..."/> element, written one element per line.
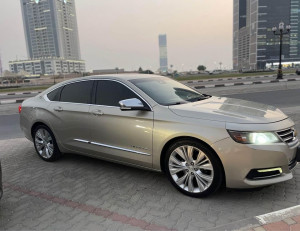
<point x="254" y="137"/>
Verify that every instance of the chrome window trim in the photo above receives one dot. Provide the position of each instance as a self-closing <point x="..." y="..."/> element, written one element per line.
<point x="63" y="85"/>
<point x="112" y="147"/>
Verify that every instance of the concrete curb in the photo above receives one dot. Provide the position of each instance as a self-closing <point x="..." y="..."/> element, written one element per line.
<point x="284" y="216"/>
<point x="241" y="225"/>
<point x="21" y="93"/>
<point x="233" y="78"/>
<point x="13" y="101"/>
<point x="246" y="83"/>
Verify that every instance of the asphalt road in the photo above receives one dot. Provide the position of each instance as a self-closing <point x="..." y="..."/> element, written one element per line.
<point x="280" y="98"/>
<point x="9" y="122"/>
<point x="10" y="127"/>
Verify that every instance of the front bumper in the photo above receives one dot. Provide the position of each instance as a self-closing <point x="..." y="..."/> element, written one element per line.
<point x="240" y="159"/>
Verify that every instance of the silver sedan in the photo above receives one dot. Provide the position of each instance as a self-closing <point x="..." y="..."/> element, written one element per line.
<point x="200" y="141"/>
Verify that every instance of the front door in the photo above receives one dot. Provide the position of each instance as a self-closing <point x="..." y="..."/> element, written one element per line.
<point x="124" y="136"/>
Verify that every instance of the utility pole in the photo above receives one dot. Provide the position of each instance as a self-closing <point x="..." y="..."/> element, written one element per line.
<point x="1" y="70"/>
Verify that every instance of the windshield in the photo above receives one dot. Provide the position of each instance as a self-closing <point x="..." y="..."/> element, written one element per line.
<point x="166" y="91"/>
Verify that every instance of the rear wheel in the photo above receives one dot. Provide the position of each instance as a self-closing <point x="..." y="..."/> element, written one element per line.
<point x="45" y="144"/>
<point x="193" y="168"/>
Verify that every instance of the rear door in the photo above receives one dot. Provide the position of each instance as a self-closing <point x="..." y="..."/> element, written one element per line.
<point x="120" y="135"/>
<point x="70" y="115"/>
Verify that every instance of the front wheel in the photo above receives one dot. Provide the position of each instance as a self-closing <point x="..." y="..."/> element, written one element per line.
<point x="193" y="168"/>
<point x="45" y="144"/>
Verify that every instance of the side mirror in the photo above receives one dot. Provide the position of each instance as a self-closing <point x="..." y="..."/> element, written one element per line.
<point x="132" y="104"/>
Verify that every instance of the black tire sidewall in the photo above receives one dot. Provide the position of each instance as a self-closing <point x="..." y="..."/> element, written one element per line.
<point x="217" y="166"/>
<point x="56" y="153"/>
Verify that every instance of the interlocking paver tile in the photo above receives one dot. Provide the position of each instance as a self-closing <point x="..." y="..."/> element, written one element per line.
<point x="77" y="193"/>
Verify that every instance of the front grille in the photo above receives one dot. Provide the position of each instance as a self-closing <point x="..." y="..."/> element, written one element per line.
<point x="287" y="135"/>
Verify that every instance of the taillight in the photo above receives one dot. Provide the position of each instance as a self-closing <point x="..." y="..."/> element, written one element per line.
<point x="20" y="108"/>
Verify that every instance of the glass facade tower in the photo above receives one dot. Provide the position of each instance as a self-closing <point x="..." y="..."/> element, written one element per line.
<point x="163" y="53"/>
<point x="51" y="28"/>
<point x="52" y="39"/>
<point x="263" y="46"/>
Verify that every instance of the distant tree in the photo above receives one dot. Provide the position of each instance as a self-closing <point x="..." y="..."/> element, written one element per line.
<point x="201" y="68"/>
<point x="146" y="72"/>
<point x="175" y="73"/>
<point x="140" y="70"/>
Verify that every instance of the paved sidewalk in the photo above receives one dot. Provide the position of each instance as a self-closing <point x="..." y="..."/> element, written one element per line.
<point x="246" y="83"/>
<point x="238" y="78"/>
<point x="81" y="193"/>
<point x="283" y="220"/>
<point x="11" y="101"/>
<point x="20" y="93"/>
<point x="288" y="224"/>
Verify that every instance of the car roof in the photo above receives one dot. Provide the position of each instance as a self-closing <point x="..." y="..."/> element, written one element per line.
<point x="118" y="76"/>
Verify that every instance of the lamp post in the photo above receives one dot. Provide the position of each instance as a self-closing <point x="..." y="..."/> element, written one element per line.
<point x="281" y="31"/>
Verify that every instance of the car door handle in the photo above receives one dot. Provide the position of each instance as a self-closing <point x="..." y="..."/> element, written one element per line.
<point x="97" y="113"/>
<point x="58" y="109"/>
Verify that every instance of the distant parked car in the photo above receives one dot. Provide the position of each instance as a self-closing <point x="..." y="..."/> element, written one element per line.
<point x="201" y="142"/>
<point x="216" y="72"/>
<point x="297" y="72"/>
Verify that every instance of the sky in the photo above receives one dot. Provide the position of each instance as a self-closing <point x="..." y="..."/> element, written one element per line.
<point x="124" y="33"/>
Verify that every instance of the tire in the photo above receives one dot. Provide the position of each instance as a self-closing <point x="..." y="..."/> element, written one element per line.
<point x="45" y="144"/>
<point x="199" y="176"/>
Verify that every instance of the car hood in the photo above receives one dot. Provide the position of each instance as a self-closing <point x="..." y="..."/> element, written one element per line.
<point x="230" y="110"/>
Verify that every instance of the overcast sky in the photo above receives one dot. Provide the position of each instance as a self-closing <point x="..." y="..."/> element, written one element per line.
<point x="124" y="33"/>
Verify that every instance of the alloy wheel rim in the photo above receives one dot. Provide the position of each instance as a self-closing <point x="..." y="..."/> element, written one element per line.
<point x="44" y="143"/>
<point x="191" y="169"/>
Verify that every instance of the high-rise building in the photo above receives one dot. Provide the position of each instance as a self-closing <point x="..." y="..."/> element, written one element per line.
<point x="1" y="70"/>
<point x="52" y="39"/>
<point x="163" y="53"/>
<point x="254" y="45"/>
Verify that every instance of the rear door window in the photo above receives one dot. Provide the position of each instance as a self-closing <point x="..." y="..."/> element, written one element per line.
<point x="55" y="94"/>
<point x="79" y="92"/>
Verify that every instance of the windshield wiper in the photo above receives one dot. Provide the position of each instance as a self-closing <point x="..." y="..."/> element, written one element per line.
<point x="199" y="98"/>
<point x="176" y="103"/>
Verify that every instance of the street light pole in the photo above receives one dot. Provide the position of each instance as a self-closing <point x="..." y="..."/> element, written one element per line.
<point x="281" y="33"/>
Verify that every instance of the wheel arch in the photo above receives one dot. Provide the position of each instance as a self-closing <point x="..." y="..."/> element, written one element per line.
<point x="176" y="139"/>
<point x="36" y="124"/>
